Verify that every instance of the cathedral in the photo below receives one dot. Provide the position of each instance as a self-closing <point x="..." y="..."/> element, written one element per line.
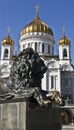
<point x="60" y="73"/>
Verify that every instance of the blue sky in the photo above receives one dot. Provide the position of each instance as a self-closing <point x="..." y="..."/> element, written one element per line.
<point x="56" y="13"/>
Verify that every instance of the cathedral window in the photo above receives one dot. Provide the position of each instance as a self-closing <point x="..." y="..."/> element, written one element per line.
<point x="64" y="53"/>
<point x="35" y="46"/>
<point x="42" y="47"/>
<point x="52" y="50"/>
<point x="52" y="82"/>
<point x="5" y="53"/>
<point x="28" y="44"/>
<point x="39" y="46"/>
<point x="49" y="49"/>
<point x="23" y="47"/>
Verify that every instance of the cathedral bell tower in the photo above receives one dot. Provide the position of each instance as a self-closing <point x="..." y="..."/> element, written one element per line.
<point x="7" y="49"/>
<point x="64" y="50"/>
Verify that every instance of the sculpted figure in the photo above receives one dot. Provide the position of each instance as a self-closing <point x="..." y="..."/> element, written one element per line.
<point x="26" y="73"/>
<point x="25" y="80"/>
<point x="27" y="70"/>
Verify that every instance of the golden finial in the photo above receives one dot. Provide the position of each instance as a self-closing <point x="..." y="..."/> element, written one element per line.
<point x="63" y="30"/>
<point x="37" y="10"/>
<point x="9" y="29"/>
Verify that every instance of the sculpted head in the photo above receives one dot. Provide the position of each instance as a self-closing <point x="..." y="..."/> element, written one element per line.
<point x="27" y="69"/>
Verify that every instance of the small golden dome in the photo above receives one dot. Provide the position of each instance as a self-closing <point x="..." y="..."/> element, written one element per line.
<point x="64" y="40"/>
<point x="7" y="41"/>
<point x="37" y="25"/>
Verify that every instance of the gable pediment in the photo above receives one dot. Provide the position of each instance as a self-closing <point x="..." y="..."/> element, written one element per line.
<point x="53" y="64"/>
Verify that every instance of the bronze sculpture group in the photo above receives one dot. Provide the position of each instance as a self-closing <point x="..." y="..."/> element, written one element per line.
<point x="25" y="80"/>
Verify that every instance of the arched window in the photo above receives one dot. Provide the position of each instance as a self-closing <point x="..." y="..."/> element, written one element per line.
<point x="52" y="82"/>
<point x="28" y="44"/>
<point x="52" y="50"/>
<point x="35" y="46"/>
<point x="49" y="49"/>
<point x="23" y="47"/>
<point x="5" y="53"/>
<point x="42" y="47"/>
<point x="65" y="53"/>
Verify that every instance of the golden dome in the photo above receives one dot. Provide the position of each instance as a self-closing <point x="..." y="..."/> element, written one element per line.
<point x="37" y="25"/>
<point x="7" y="41"/>
<point x="64" y="40"/>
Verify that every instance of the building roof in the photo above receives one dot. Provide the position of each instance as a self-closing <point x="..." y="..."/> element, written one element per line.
<point x="37" y="25"/>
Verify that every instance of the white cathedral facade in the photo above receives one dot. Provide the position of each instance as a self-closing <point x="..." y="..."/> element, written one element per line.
<point x="39" y="36"/>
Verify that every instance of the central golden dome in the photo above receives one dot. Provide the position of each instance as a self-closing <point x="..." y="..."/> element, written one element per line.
<point x="37" y="25"/>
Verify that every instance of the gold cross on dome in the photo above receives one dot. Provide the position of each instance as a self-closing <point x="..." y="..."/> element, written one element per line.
<point x="63" y="30"/>
<point x="37" y="10"/>
<point x="9" y="29"/>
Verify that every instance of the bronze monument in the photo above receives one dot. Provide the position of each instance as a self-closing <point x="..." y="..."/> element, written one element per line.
<point x="24" y="88"/>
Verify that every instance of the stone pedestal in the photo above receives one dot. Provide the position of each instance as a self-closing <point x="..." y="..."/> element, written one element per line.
<point x="18" y="116"/>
